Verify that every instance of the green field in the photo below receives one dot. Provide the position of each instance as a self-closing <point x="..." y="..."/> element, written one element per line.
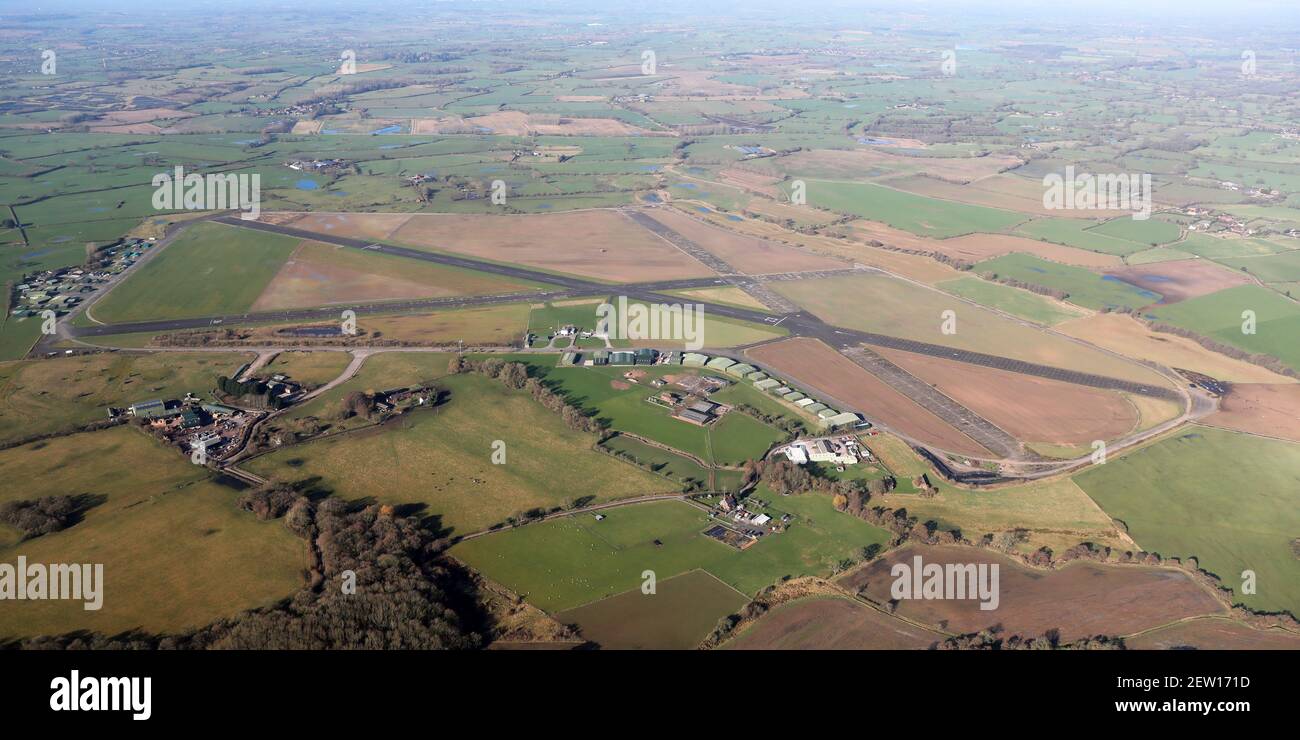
<point x="564" y="563"/>
<point x="210" y="270"/>
<point x="1152" y="231"/>
<point x="1022" y="303"/>
<point x="442" y="458"/>
<point x="17" y="335"/>
<point x="1219" y="316"/>
<point x="1277" y="268"/>
<point x="677" y="616"/>
<point x="680" y="469"/>
<point x="1230" y="500"/>
<point x="1086" y="288"/>
<point x="915" y="213"/>
<point x="1217" y="248"/>
<point x="1083" y="234"/>
<point x="176" y="551"/>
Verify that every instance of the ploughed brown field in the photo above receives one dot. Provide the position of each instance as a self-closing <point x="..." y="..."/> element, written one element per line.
<point x="1214" y="634"/>
<point x="745" y="253"/>
<point x="819" y="366"/>
<point x="601" y="244"/>
<point x="831" y="623"/>
<point x="1181" y="279"/>
<point x="1028" y="408"/>
<point x="1260" y="408"/>
<point x="1083" y="599"/>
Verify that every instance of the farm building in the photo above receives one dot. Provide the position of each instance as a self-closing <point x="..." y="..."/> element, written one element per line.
<point x="826" y="413"/>
<point x="220" y="408"/>
<point x="841" y="419"/>
<point x="767" y="384"/>
<point x="802" y="402"/>
<point x="154" y="409"/>
<point x="704" y="407"/>
<point x="720" y="363"/>
<point x="783" y="391"/>
<point x="796" y="396"/>
<point x="739" y="370"/>
<point x="815" y="408"/>
<point x="695" y="417"/>
<point x="694" y="359"/>
<point x="190" y="419"/>
<point x="822" y="450"/>
<point x="756" y="376"/>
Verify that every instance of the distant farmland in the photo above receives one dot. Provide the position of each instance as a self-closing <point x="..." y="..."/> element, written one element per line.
<point x="915" y="213"/>
<point x="1085" y="288"/>
<point x="1219" y="316"/>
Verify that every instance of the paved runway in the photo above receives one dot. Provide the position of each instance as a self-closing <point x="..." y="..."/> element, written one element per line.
<point x="799" y="323"/>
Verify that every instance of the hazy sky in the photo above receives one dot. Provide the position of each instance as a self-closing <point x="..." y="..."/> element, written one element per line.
<point x="1243" y="12"/>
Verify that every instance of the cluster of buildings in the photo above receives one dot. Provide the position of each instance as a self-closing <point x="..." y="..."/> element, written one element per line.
<point x="192" y="424"/>
<point x="626" y="357"/>
<point x="1223" y="222"/>
<point x="317" y="165"/>
<point x="837" y="451"/>
<point x="828" y="416"/>
<point x="63" y="289"/>
<point x="753" y="523"/>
